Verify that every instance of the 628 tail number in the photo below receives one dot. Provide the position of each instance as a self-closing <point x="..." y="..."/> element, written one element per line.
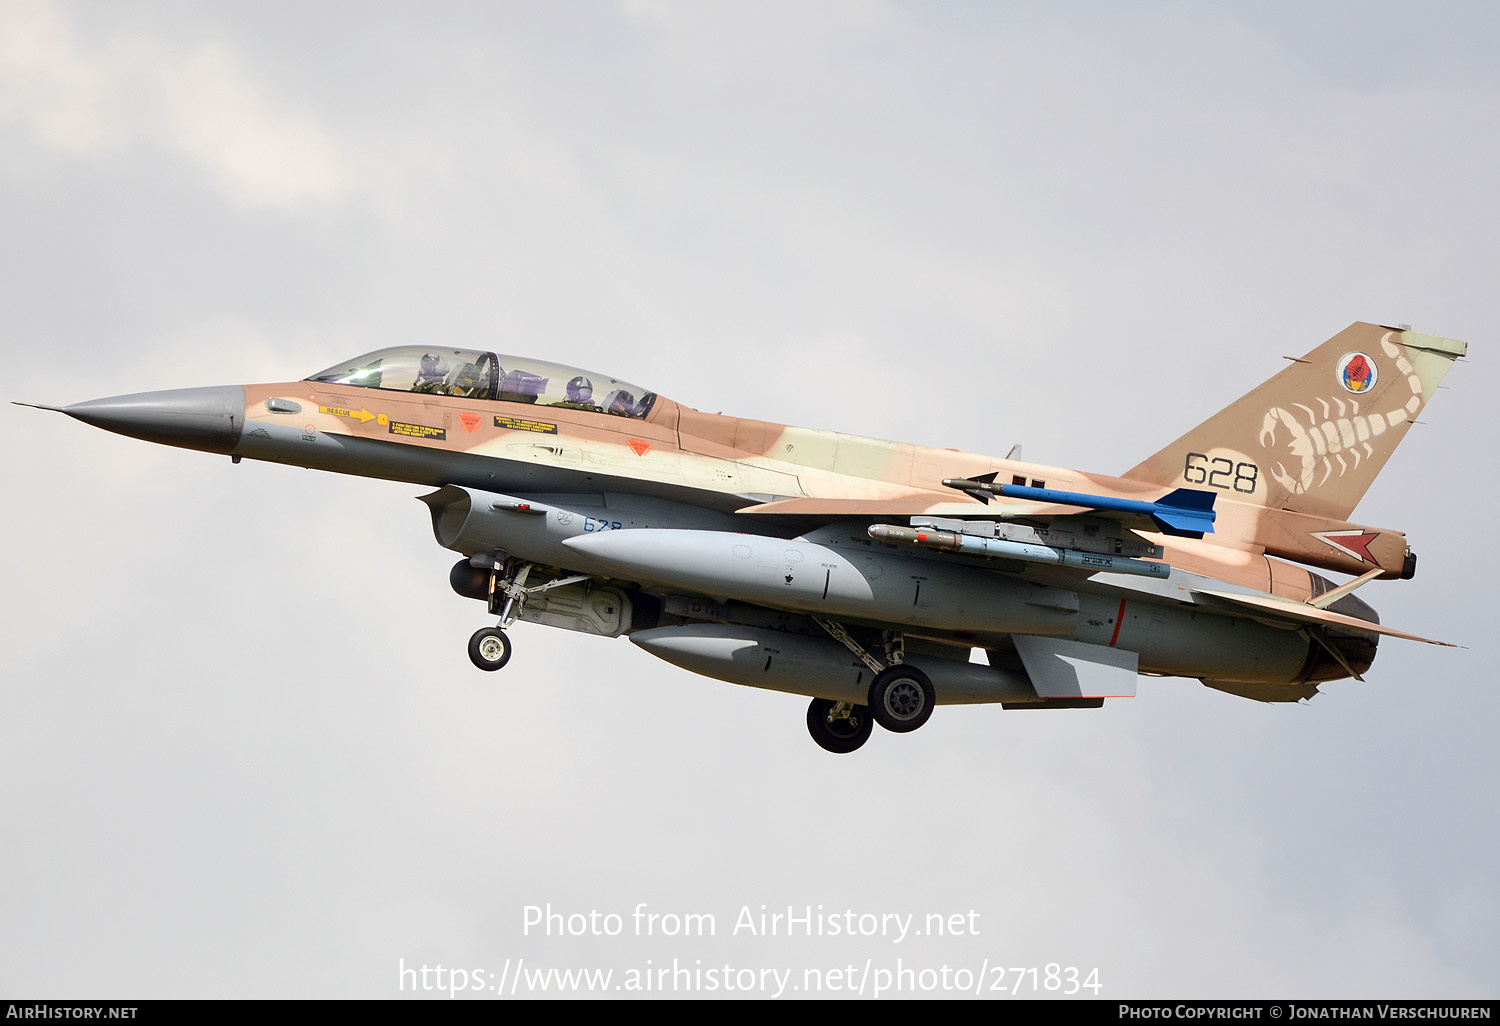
<point x="1220" y="472"/>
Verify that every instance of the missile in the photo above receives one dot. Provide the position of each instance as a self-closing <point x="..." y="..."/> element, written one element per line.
<point x="1004" y="548"/>
<point x="1187" y="512"/>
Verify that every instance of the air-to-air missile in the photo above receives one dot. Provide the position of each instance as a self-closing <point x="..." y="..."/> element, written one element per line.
<point x="1185" y="512"/>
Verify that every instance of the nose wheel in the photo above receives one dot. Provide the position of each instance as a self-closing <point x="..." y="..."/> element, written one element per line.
<point x="489" y="648"/>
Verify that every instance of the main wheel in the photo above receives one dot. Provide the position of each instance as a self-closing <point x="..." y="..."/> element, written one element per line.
<point x="839" y="734"/>
<point x="901" y="698"/>
<point x="489" y="648"/>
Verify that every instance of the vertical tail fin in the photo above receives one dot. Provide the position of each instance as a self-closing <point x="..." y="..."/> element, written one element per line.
<point x="1312" y="438"/>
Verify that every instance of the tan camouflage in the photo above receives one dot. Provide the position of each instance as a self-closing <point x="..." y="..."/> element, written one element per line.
<point x="1288" y="462"/>
<point x="861" y="572"/>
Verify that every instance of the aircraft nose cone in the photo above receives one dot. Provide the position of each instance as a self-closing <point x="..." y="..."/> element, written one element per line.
<point x="209" y="419"/>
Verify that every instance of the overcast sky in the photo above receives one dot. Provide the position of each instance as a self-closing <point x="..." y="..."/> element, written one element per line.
<point x="243" y="752"/>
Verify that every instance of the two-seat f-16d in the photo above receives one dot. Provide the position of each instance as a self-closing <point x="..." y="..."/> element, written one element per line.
<point x="858" y="572"/>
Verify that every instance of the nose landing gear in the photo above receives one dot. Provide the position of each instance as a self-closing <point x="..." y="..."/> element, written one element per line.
<point x="490" y="647"/>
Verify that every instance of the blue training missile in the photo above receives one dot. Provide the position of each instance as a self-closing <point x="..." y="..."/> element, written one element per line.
<point x="1186" y="512"/>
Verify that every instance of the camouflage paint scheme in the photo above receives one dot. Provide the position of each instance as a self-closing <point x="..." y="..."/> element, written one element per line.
<point x="522" y="484"/>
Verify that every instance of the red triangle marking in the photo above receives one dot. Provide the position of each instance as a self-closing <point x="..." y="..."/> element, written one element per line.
<point x="1356" y="543"/>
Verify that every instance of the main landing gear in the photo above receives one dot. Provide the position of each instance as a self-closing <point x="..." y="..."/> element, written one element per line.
<point x="838" y="727"/>
<point x="900" y="699"/>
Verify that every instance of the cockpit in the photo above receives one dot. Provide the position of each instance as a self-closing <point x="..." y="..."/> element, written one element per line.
<point x="471" y="374"/>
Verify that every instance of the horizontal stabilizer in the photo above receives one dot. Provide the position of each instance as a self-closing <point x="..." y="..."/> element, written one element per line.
<point x="1062" y="668"/>
<point x="1287" y="610"/>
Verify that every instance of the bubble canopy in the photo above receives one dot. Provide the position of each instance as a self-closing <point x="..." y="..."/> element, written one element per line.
<point x="471" y="374"/>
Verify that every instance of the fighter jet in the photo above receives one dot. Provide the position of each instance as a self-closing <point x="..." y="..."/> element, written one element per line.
<point x="860" y="573"/>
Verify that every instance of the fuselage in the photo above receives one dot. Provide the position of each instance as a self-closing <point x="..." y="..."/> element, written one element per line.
<point x="713" y="476"/>
<point x="860" y="572"/>
<point x="709" y="460"/>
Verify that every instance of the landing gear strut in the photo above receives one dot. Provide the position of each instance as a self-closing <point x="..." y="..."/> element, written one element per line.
<point x="490" y="647"/>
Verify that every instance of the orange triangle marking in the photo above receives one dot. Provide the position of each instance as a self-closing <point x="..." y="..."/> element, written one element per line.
<point x="470" y="421"/>
<point x="640" y="447"/>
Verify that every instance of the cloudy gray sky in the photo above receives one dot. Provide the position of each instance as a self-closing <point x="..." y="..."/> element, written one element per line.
<point x="243" y="752"/>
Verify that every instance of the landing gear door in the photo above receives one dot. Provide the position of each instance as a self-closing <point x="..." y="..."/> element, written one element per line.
<point x="584" y="607"/>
